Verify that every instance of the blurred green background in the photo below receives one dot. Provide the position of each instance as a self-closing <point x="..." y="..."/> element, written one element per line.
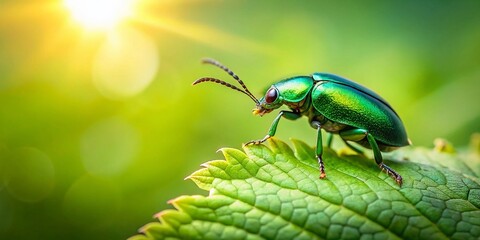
<point x="100" y="124"/>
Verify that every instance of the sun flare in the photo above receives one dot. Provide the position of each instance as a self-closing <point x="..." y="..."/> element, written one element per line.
<point x="99" y="14"/>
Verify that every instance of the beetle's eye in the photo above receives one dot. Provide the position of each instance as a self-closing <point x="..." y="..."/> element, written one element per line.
<point x="271" y="95"/>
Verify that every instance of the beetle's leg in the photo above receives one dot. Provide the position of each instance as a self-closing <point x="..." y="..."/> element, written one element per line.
<point x="329" y="140"/>
<point x="359" y="134"/>
<point x="379" y="160"/>
<point x="273" y="127"/>
<point x="319" y="149"/>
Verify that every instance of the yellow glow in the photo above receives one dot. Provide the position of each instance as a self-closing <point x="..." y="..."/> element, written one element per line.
<point x="125" y="64"/>
<point x="100" y="14"/>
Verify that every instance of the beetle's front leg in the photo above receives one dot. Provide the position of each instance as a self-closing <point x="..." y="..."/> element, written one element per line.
<point x="273" y="128"/>
<point x="319" y="149"/>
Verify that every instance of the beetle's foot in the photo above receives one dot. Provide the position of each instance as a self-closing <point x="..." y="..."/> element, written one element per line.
<point x="255" y="142"/>
<point x="321" y="167"/>
<point x="392" y="173"/>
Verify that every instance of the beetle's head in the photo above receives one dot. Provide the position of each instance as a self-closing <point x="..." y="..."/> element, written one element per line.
<point x="291" y="92"/>
<point x="269" y="102"/>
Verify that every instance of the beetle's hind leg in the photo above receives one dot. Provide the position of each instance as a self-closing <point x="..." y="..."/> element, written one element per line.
<point x="359" y="134"/>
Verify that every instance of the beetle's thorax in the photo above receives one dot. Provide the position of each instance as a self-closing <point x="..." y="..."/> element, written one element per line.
<point x="300" y="107"/>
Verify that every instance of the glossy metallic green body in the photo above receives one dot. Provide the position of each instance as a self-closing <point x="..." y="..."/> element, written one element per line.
<point x="340" y="104"/>
<point x="356" y="106"/>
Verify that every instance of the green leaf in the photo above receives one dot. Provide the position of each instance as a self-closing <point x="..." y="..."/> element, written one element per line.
<point x="275" y="193"/>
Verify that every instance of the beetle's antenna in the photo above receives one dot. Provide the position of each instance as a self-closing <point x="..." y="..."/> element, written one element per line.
<point x="215" y="80"/>
<point x="231" y="73"/>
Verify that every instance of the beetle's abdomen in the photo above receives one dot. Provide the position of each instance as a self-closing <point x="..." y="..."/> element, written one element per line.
<point x="347" y="105"/>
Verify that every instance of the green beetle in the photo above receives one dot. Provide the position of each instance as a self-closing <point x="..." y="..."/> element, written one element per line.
<point x="337" y="105"/>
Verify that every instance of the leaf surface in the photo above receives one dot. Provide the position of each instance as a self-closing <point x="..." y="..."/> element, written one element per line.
<point x="275" y="193"/>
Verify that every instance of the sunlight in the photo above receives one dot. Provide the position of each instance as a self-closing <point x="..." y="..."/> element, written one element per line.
<point x="100" y="14"/>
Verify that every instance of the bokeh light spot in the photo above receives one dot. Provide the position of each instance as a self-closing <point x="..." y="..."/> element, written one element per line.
<point x="108" y="147"/>
<point x="125" y="64"/>
<point x="29" y="174"/>
<point x="92" y="202"/>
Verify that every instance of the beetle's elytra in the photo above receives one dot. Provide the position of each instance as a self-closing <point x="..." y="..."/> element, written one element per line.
<point x="335" y="104"/>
